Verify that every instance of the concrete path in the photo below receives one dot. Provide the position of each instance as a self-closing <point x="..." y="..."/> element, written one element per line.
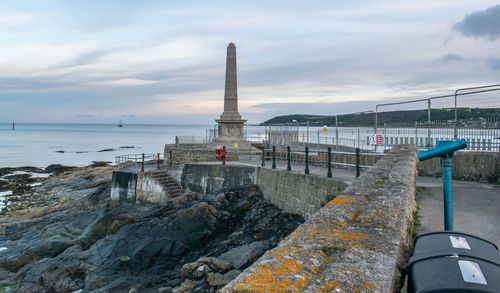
<point x="476" y="205"/>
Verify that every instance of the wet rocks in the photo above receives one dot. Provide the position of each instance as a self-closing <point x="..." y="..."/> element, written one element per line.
<point x="193" y="243"/>
<point x="57" y="168"/>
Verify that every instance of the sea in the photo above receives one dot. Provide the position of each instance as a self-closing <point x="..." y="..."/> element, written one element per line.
<point x="40" y="145"/>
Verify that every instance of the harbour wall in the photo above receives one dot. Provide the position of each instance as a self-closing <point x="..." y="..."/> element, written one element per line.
<point x="295" y="193"/>
<point x="357" y="242"/>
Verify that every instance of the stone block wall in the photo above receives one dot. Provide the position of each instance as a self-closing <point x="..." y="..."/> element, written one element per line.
<point x="190" y="153"/>
<point x="297" y="193"/>
<point x="214" y="178"/>
<point x="467" y="166"/>
<point x="358" y="242"/>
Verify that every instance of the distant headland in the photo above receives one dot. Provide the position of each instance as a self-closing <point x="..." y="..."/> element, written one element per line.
<point x="392" y="117"/>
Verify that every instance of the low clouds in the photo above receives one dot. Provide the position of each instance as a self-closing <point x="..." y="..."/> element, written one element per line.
<point x="493" y="63"/>
<point x="165" y="60"/>
<point x="451" y="58"/>
<point x="485" y="23"/>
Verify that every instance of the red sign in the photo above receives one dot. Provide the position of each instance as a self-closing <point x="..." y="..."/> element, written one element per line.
<point x="376" y="139"/>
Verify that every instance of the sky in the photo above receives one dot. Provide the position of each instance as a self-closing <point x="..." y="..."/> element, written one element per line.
<point x="163" y="61"/>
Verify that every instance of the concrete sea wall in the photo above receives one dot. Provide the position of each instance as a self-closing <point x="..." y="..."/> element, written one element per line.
<point x="214" y="178"/>
<point x="123" y="187"/>
<point x="296" y="193"/>
<point x="467" y="166"/>
<point x="358" y="242"/>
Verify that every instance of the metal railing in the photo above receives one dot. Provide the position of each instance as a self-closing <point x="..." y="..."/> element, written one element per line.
<point x="309" y="157"/>
<point x="136" y="162"/>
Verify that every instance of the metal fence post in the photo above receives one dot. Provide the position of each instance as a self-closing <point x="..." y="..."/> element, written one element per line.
<point x="142" y="164"/>
<point x="306" y="171"/>
<point x="158" y="161"/>
<point x="288" y="158"/>
<point x="357" y="162"/>
<point x="274" y="157"/>
<point x="263" y="158"/>
<point x="329" y="174"/>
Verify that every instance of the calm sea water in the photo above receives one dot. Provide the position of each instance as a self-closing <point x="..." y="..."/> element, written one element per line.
<point x="38" y="144"/>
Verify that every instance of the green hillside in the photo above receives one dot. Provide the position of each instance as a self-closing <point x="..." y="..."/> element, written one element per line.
<point x="402" y="118"/>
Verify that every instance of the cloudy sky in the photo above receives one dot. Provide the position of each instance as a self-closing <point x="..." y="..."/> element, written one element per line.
<point x="164" y="61"/>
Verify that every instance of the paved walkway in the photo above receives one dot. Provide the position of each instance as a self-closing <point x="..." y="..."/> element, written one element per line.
<point x="476" y="205"/>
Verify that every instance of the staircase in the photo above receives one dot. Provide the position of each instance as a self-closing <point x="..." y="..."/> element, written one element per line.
<point x="171" y="187"/>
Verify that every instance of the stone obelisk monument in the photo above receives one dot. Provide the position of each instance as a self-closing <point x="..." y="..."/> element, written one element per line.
<point x="230" y="122"/>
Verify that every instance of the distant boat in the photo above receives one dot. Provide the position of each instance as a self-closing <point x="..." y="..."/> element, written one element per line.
<point x="120" y="124"/>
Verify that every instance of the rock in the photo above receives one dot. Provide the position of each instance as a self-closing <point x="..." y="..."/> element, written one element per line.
<point x="186" y="287"/>
<point x="216" y="264"/>
<point x="164" y="290"/>
<point x="218" y="280"/>
<point x="106" y="150"/>
<point x="100" y="164"/>
<point x="194" y="244"/>
<point x="57" y="168"/>
<point x="243" y="255"/>
<point x="203" y="266"/>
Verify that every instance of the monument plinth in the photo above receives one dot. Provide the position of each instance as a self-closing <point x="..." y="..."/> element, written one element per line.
<point x="231" y="125"/>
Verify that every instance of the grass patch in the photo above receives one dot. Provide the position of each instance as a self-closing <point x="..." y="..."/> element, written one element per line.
<point x="414" y="228"/>
<point x="378" y="183"/>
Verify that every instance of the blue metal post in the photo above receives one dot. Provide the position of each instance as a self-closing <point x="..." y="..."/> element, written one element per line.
<point x="447" y="194"/>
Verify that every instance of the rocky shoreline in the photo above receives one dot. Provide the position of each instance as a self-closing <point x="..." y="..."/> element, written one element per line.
<point x="60" y="234"/>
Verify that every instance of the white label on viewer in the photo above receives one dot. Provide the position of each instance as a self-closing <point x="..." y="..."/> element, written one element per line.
<point x="471" y="272"/>
<point x="459" y="242"/>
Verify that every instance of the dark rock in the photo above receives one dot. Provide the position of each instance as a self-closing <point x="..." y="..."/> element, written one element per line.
<point x="61" y="152"/>
<point x="106" y="150"/>
<point x="57" y="168"/>
<point x="219" y="280"/>
<point x="191" y="244"/>
<point x="242" y="256"/>
<point x="100" y="164"/>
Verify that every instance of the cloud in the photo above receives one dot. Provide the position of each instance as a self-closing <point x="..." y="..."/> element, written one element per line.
<point x="451" y="58"/>
<point x="485" y="23"/>
<point x="493" y="63"/>
<point x="127" y="82"/>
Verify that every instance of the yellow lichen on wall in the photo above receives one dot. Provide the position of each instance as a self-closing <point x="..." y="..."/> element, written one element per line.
<point x="340" y="200"/>
<point x="329" y="286"/>
<point x="290" y="271"/>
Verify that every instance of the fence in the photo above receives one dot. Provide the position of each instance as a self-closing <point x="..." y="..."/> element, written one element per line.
<point x="329" y="158"/>
<point x="480" y="134"/>
<point x="136" y="162"/>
